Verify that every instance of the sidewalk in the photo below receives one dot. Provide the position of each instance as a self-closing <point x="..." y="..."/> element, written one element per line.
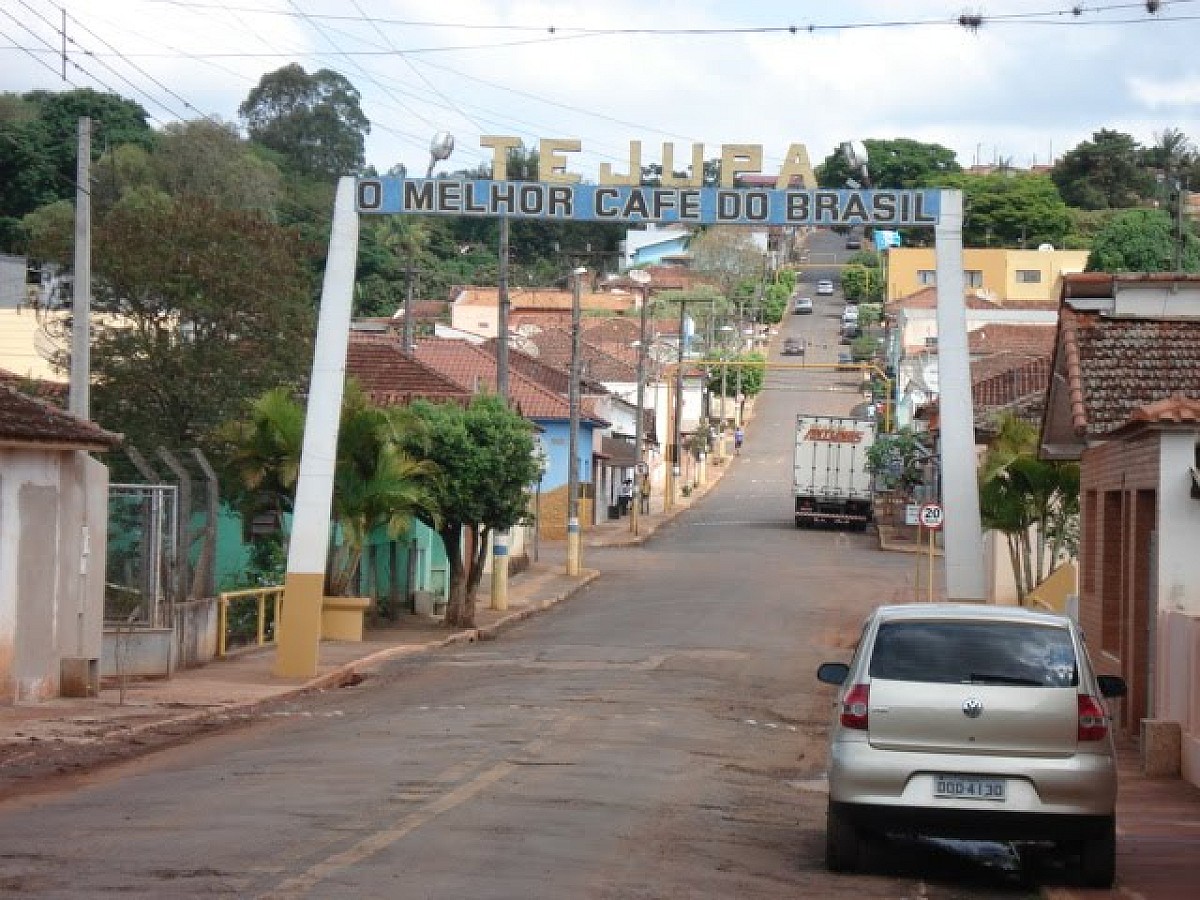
<point x="235" y="686"/>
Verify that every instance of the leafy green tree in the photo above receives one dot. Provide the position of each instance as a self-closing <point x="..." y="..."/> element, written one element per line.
<point x="485" y="453"/>
<point x="751" y="365"/>
<point x="261" y="458"/>
<point x="214" y="308"/>
<point x="862" y="283"/>
<point x="1141" y="240"/>
<point x="1012" y="210"/>
<point x="38" y="142"/>
<point x="1034" y="503"/>
<point x="1104" y="173"/>
<point x="315" y="122"/>
<point x="897" y="460"/>
<point x="899" y="163"/>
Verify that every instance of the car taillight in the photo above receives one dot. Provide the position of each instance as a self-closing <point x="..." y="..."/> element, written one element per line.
<point x="1093" y="721"/>
<point x="854" y="707"/>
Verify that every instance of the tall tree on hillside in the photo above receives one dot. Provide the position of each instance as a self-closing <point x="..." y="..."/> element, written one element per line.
<point x="727" y="255"/>
<point x="1104" y="173"/>
<point x="1143" y="240"/>
<point x="1012" y="210"/>
<point x="899" y="163"/>
<point x="315" y="122"/>
<point x="38" y="143"/>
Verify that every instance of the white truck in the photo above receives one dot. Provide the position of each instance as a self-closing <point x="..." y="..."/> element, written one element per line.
<point x="830" y="478"/>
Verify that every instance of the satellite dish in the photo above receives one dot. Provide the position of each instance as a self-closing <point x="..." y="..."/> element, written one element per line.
<point x="856" y="154"/>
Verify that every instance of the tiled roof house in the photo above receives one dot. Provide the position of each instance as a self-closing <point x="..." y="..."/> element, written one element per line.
<point x="1124" y="400"/>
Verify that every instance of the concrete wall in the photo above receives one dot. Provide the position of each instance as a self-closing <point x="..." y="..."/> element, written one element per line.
<point x="138" y="651"/>
<point x="53" y="526"/>
<point x="195" y="632"/>
<point x="1177" y="685"/>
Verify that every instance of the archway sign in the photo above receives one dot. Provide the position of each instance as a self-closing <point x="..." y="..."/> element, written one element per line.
<point x="558" y="193"/>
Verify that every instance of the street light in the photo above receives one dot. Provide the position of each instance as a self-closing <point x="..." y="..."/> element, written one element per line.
<point x="642" y="279"/>
<point x="440" y="148"/>
<point x="573" y="536"/>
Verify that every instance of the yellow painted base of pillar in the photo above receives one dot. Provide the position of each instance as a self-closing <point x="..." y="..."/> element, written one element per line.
<point x="299" y="633"/>
<point x="342" y="618"/>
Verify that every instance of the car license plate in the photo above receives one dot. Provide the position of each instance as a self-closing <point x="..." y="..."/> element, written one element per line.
<point x="968" y="787"/>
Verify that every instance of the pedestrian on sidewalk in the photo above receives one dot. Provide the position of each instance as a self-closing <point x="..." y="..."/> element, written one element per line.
<point x="625" y="500"/>
<point x="644" y="497"/>
<point x="738" y="436"/>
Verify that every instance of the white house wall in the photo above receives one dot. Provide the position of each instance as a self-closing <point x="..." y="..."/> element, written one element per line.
<point x="51" y="598"/>
<point x="1179" y="525"/>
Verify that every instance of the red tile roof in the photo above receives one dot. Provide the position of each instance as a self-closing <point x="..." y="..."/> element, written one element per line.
<point x="52" y="391"/>
<point x="1030" y="339"/>
<point x="1018" y="387"/>
<point x="474" y="368"/>
<point x="391" y="377"/>
<point x="25" y="421"/>
<point x="926" y="298"/>
<point x="553" y="347"/>
<point x="1114" y="367"/>
<point x="1177" y="409"/>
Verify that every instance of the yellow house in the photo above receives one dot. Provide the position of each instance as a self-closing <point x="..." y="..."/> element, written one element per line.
<point x="995" y="273"/>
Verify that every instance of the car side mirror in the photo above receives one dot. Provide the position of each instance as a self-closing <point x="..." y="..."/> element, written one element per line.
<point x="1111" y="685"/>
<point x="833" y="673"/>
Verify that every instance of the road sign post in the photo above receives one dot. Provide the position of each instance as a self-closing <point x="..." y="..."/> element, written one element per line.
<point x="931" y="518"/>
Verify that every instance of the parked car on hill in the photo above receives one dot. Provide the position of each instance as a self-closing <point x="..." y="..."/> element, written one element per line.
<point x="792" y="347"/>
<point x="825" y="288"/>
<point x="802" y="305"/>
<point x="972" y="722"/>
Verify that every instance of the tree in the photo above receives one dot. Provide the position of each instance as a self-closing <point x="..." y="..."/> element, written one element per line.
<point x="1103" y="173"/>
<point x="862" y="283"/>
<point x="315" y="122"/>
<point x="899" y="163"/>
<point x="1013" y="210"/>
<point x="485" y="454"/>
<point x="747" y="374"/>
<point x="726" y="255"/>
<point x="1142" y="240"/>
<point x="38" y="143"/>
<point x="213" y="307"/>
<point x="1034" y="503"/>
<point x="897" y="460"/>
<point x="377" y="482"/>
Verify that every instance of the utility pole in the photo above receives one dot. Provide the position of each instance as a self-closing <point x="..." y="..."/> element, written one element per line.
<point x="500" y="535"/>
<point x="81" y="301"/>
<point x="573" y="535"/>
<point x="409" y="342"/>
<point x="502" y="301"/>
<point x="676" y="470"/>
<point x="643" y="280"/>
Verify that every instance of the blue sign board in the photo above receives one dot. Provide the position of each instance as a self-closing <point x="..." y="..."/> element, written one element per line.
<point x="645" y="203"/>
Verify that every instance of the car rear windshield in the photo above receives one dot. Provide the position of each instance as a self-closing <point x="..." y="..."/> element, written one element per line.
<point x="948" y="652"/>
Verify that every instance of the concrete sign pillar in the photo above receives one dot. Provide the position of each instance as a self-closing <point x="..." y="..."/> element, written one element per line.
<point x="960" y="492"/>
<point x="299" y="624"/>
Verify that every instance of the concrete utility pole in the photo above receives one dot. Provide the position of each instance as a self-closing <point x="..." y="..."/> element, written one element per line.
<point x="573" y="535"/>
<point x="643" y="280"/>
<point x="676" y="470"/>
<point x="409" y="342"/>
<point x="81" y="300"/>
<point x="500" y="535"/>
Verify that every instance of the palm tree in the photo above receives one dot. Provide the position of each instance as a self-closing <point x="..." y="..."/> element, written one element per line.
<point x="265" y="453"/>
<point x="1034" y="503"/>
<point x="376" y="484"/>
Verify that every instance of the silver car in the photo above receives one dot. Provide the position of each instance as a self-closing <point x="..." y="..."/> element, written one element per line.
<point x="972" y="722"/>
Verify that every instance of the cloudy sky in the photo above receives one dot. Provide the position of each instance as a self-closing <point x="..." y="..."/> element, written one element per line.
<point x="1031" y="82"/>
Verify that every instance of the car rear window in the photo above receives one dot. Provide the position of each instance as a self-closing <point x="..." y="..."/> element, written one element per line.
<point x="975" y="653"/>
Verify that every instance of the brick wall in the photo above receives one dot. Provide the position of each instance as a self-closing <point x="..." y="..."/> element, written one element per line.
<point x="1118" y="489"/>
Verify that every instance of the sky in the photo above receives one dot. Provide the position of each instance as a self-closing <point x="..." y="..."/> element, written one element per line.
<point x="1031" y="82"/>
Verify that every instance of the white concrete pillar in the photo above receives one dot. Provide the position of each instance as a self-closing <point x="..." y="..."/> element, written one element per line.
<point x="963" y="535"/>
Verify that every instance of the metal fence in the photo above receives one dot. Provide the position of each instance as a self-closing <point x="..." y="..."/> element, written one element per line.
<point x="143" y="554"/>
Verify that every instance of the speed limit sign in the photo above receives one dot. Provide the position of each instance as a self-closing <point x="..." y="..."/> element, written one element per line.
<point x="931" y="516"/>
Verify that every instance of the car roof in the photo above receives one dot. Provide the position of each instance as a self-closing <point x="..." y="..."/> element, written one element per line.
<point x="979" y="611"/>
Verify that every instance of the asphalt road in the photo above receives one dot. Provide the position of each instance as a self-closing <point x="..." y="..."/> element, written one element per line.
<point x="660" y="735"/>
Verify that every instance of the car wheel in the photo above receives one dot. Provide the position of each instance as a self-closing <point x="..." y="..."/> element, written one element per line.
<point x="843" y="842"/>
<point x="1098" y="858"/>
